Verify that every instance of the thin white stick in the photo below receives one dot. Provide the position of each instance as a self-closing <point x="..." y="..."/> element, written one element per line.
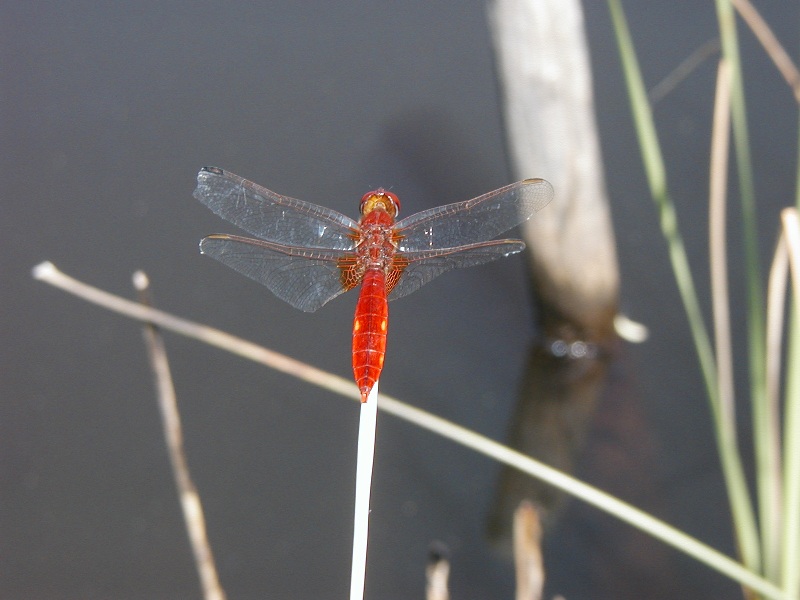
<point x="366" y="454"/>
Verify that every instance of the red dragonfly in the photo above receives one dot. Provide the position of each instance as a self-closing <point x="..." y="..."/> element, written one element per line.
<point x="307" y="254"/>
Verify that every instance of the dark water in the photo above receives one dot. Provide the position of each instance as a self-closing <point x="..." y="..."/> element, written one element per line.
<point x="109" y="111"/>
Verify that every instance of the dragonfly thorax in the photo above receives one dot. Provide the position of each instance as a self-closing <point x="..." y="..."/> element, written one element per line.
<point x="376" y="246"/>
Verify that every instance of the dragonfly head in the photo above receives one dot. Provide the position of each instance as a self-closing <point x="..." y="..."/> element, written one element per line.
<point x="380" y="198"/>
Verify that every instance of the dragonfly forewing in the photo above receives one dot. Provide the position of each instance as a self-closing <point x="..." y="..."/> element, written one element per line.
<point x="477" y="220"/>
<point x="272" y="216"/>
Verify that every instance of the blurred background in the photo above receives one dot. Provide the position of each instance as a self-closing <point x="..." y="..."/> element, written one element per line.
<point x="108" y="112"/>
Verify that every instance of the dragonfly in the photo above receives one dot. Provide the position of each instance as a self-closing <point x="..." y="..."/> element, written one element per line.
<point x="307" y="254"/>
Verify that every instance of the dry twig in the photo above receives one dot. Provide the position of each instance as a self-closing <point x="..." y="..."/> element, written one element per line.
<point x="173" y="435"/>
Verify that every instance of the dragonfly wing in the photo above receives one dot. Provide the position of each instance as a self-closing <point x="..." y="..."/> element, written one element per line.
<point x="476" y="220"/>
<point x="412" y="270"/>
<point x="306" y="278"/>
<point x="271" y="216"/>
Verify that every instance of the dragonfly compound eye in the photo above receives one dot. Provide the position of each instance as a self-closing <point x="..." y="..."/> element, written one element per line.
<point x="380" y="197"/>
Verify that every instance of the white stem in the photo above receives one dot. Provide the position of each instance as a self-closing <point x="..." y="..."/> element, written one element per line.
<point x="366" y="454"/>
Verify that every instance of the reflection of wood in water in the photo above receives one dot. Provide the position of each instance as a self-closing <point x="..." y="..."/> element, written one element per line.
<point x="619" y="455"/>
<point x="575" y="414"/>
<point x="564" y="377"/>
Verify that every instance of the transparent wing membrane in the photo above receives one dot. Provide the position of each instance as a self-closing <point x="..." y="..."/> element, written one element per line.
<point x="307" y="254"/>
<point x="477" y="220"/>
<point x="419" y="268"/>
<point x="271" y="216"/>
<point x="303" y="277"/>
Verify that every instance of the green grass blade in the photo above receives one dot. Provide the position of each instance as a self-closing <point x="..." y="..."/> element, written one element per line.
<point x="656" y="178"/>
<point x="741" y="508"/>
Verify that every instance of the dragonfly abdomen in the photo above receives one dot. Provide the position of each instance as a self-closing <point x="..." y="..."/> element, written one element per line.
<point x="369" y="331"/>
